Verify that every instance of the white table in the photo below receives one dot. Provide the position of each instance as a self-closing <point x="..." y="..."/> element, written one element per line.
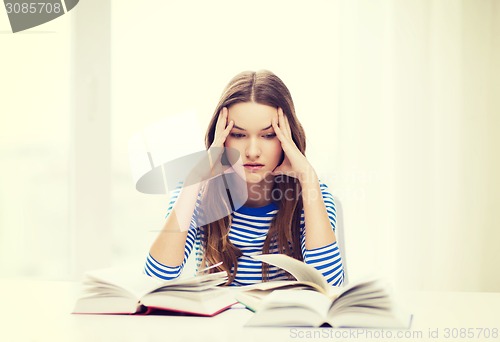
<point x="40" y="311"/>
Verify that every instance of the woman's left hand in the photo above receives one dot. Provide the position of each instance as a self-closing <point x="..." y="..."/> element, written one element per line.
<point x="295" y="164"/>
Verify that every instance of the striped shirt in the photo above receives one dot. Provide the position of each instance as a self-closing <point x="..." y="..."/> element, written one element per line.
<point x="248" y="231"/>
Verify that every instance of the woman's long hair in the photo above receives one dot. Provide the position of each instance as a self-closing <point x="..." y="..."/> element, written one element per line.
<point x="265" y="88"/>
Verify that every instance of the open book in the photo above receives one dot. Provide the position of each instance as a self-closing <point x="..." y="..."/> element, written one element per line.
<point x="311" y="301"/>
<point x="124" y="291"/>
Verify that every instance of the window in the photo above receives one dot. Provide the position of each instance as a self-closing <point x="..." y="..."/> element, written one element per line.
<point x="34" y="150"/>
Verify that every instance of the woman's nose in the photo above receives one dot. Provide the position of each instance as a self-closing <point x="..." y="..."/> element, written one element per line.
<point x="253" y="149"/>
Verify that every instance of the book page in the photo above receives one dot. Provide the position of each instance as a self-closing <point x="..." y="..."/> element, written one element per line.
<point x="139" y="284"/>
<point x="127" y="279"/>
<point x="286" y="317"/>
<point x="311" y="300"/>
<point x="282" y="284"/>
<point x="300" y="270"/>
<point x="194" y="284"/>
<point x="252" y="295"/>
<point x="366" y="303"/>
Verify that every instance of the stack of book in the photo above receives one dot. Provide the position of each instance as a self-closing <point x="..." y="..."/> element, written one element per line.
<point x="311" y="301"/>
<point x="307" y="301"/>
<point x="123" y="291"/>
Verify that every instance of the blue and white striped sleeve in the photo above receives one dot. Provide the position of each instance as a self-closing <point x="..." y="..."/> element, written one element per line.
<point x="153" y="267"/>
<point x="326" y="259"/>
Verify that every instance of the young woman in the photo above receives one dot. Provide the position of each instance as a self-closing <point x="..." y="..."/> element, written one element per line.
<point x="287" y="209"/>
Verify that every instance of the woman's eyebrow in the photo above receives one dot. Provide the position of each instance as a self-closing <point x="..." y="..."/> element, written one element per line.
<point x="237" y="127"/>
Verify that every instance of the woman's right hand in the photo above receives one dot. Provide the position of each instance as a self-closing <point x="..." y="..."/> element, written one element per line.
<point x="222" y="129"/>
<point x="211" y="165"/>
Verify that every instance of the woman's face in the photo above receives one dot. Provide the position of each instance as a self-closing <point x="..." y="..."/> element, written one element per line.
<point x="254" y="138"/>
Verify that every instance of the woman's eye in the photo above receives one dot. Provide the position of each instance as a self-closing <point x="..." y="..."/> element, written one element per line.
<point x="237" y="135"/>
<point x="270" y="135"/>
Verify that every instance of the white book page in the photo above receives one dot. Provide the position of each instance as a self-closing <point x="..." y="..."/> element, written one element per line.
<point x="286" y="317"/>
<point x="282" y="284"/>
<point x="130" y="280"/>
<point x="311" y="300"/>
<point x="300" y="270"/>
<point x="138" y="284"/>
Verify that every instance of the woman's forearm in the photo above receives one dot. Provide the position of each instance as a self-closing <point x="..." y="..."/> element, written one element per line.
<point x="319" y="231"/>
<point x="169" y="246"/>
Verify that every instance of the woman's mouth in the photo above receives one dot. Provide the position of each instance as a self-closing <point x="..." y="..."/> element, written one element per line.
<point x="253" y="166"/>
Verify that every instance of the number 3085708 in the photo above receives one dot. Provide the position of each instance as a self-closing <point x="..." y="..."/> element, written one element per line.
<point x="471" y="333"/>
<point x="39" y="7"/>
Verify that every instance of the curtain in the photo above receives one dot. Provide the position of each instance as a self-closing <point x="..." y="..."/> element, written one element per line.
<point x="417" y="144"/>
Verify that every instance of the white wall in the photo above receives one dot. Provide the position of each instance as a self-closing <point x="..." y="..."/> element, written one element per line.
<point x="34" y="149"/>
<point x="418" y="112"/>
